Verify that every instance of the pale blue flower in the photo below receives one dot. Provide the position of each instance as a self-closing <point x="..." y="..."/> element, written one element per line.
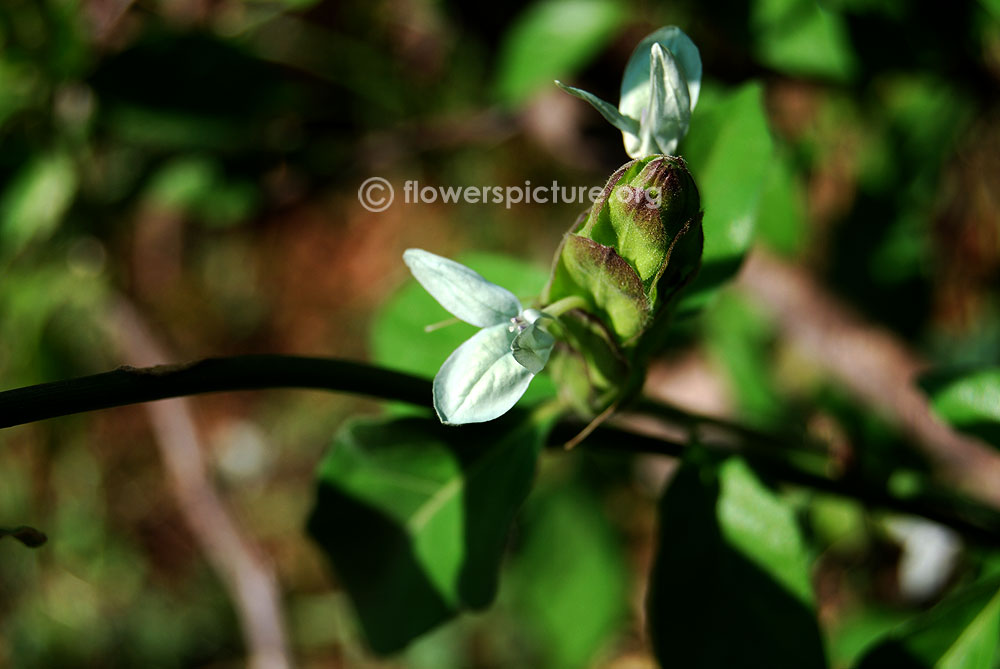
<point x="485" y="376"/>
<point x="659" y="91"/>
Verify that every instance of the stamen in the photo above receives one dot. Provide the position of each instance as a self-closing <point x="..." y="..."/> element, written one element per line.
<point x="518" y="324"/>
<point x="442" y="324"/>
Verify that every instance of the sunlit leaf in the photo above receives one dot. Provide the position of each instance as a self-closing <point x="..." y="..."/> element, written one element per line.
<point x="781" y="217"/>
<point x="961" y="632"/>
<point x="34" y="203"/>
<point x="551" y="39"/>
<point x="739" y="339"/>
<point x="729" y="152"/>
<point x="802" y="37"/>
<point x="414" y="517"/>
<point x="730" y="585"/>
<point x="569" y="578"/>
<point x="970" y="401"/>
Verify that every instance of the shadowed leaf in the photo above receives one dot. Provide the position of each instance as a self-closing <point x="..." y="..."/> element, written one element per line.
<point x="414" y="517"/>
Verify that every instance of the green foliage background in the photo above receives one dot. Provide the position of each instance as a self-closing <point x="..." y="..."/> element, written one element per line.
<point x="199" y="161"/>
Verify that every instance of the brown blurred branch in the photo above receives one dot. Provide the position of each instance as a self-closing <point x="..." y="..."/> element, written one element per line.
<point x="871" y="363"/>
<point x="242" y="569"/>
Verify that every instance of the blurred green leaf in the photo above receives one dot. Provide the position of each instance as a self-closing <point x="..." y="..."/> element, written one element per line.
<point x="414" y="517"/>
<point x="551" y="39"/>
<point x="569" y="577"/>
<point x="729" y="151"/>
<point x="730" y="585"/>
<point x="970" y="400"/>
<point x="197" y="187"/>
<point x="398" y="340"/>
<point x="781" y="219"/>
<point x="856" y="632"/>
<point x="961" y="632"/>
<point x="801" y="38"/>
<point x="34" y="203"/>
<point x="19" y="84"/>
<point x="739" y="339"/>
<point x="838" y="522"/>
<point x="993" y="7"/>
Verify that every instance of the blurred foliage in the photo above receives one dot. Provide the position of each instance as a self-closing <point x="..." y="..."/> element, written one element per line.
<point x="199" y="161"/>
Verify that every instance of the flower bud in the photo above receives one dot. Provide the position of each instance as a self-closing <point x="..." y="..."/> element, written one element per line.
<point x="628" y="257"/>
<point x="619" y="257"/>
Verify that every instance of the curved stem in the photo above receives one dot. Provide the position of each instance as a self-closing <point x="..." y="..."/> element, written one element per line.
<point x="977" y="522"/>
<point x="130" y="385"/>
<point x="559" y="307"/>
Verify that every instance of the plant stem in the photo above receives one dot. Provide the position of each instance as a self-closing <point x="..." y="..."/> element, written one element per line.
<point x="559" y="307"/>
<point x="975" y="521"/>
<point x="130" y="385"/>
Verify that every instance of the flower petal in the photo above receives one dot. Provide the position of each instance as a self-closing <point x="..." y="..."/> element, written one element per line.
<point x="679" y="79"/>
<point x="635" y="82"/>
<point x="480" y="380"/>
<point x="532" y="347"/>
<point x="461" y="290"/>
<point x="669" y="113"/>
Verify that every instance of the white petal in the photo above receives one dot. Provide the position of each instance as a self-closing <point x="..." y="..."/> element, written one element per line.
<point x="669" y="105"/>
<point x="635" y="91"/>
<point x="461" y="290"/>
<point x="637" y="95"/>
<point x="480" y="380"/>
<point x="532" y="346"/>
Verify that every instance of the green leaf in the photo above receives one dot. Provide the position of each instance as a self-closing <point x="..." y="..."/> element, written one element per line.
<point x="551" y="39"/>
<point x="28" y="536"/>
<point x="196" y="186"/>
<point x="414" y="517"/>
<point x="569" y="581"/>
<point x="728" y="150"/>
<point x="739" y="339"/>
<point x="968" y="400"/>
<point x="35" y="201"/>
<point x="800" y="37"/>
<point x="961" y="632"/>
<point x="781" y="218"/>
<point x="730" y="585"/>
<point x="608" y="111"/>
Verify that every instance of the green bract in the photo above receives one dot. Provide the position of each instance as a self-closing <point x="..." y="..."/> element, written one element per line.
<point x="627" y="258"/>
<point x="659" y="91"/>
<point x="485" y="376"/>
<point x="640" y="241"/>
